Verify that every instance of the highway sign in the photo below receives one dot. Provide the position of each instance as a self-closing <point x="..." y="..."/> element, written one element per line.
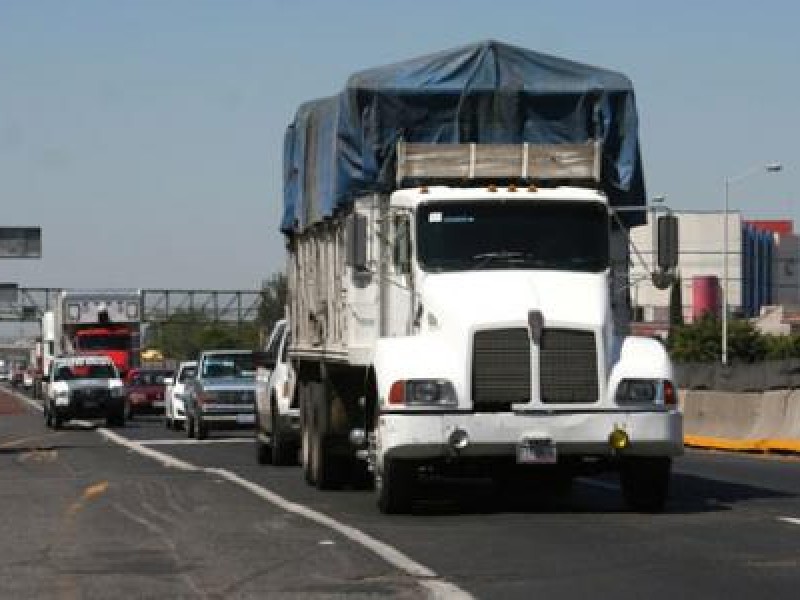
<point x="20" y="242"/>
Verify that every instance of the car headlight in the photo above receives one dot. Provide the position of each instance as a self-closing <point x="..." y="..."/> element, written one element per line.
<point x="637" y="391"/>
<point x="423" y="392"/>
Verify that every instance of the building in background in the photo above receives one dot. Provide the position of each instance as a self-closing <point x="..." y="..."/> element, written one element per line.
<point x="762" y="267"/>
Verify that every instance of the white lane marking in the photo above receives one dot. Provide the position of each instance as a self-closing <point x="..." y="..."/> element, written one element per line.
<point x="792" y="520"/>
<point x="426" y="577"/>
<point x="32" y="403"/>
<point x="164" y="459"/>
<point x="169" y="442"/>
<point x="603" y="485"/>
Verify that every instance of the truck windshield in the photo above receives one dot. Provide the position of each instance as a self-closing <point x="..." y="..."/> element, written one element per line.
<point x="103" y="342"/>
<point x="229" y="365"/>
<point x="460" y="236"/>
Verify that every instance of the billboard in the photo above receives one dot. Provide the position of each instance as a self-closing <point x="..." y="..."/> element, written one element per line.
<point x="20" y="242"/>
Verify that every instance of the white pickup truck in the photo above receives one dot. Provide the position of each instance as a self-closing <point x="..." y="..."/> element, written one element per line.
<point x="277" y="413"/>
<point x="84" y="387"/>
<point x="174" y="405"/>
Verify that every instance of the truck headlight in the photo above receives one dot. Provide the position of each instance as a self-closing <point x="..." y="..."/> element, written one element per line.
<point x="423" y="392"/>
<point x="637" y="391"/>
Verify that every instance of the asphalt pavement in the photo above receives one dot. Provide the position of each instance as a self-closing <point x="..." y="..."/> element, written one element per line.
<point x="83" y="514"/>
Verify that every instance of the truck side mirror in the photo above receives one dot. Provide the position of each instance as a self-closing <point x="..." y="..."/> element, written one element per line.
<point x="356" y="240"/>
<point x="667" y="255"/>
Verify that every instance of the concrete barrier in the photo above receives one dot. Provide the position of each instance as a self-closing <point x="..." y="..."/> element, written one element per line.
<point x="761" y="422"/>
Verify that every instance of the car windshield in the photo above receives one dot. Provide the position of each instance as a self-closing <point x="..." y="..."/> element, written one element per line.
<point x="461" y="236"/>
<point x="99" y="371"/>
<point x="229" y="365"/>
<point x="187" y="373"/>
<point x="103" y="342"/>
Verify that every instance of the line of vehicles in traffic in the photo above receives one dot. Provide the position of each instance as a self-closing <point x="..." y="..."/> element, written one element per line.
<point x="221" y="390"/>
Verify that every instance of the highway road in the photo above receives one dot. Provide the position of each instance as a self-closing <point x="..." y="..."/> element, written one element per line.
<point x="143" y="512"/>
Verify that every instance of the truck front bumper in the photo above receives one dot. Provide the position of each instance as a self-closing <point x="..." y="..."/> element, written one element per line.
<point x="429" y="436"/>
<point x="76" y="409"/>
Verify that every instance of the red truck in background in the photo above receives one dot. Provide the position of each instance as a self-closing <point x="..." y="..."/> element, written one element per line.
<point x="115" y="341"/>
<point x="94" y="323"/>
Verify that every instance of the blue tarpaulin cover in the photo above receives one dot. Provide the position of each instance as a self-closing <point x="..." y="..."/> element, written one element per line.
<point x="344" y="146"/>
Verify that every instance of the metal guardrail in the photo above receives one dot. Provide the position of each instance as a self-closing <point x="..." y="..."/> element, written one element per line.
<point x="740" y="377"/>
<point x="158" y="305"/>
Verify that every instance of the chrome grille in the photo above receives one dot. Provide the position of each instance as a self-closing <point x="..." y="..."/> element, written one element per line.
<point x="501" y="369"/>
<point x="568" y="367"/>
<point x="236" y="397"/>
<point x="90" y="394"/>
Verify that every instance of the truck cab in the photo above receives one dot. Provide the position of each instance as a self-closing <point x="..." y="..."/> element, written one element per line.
<point x="506" y="343"/>
<point x="117" y="343"/>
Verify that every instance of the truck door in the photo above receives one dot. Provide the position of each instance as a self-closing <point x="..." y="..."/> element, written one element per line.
<point x="400" y="274"/>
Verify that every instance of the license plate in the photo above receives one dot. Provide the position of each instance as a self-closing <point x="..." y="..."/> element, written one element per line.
<point x="540" y="451"/>
<point x="245" y="419"/>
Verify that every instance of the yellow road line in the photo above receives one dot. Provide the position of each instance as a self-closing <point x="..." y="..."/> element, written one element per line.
<point x="90" y="493"/>
<point x="742" y="445"/>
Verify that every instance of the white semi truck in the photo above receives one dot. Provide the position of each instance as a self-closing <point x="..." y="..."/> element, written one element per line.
<point x="469" y="313"/>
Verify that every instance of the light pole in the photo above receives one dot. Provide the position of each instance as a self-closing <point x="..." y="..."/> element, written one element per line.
<point x="773" y="167"/>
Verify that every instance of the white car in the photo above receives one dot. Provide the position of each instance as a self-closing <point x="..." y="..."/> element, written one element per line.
<point x="174" y="405"/>
<point x="277" y="413"/>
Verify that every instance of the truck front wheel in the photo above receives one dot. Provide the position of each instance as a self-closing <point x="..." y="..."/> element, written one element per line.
<point x="395" y="485"/>
<point x="200" y="429"/>
<point x="645" y="482"/>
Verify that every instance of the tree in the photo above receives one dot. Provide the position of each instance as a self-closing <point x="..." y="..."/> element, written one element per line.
<point x="274" y="292"/>
<point x="186" y="333"/>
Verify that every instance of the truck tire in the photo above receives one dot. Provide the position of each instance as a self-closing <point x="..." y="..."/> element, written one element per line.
<point x="284" y="451"/>
<point x="116" y="418"/>
<point x="321" y="458"/>
<point x="200" y="429"/>
<point x="263" y="451"/>
<point x="395" y="486"/>
<point x="645" y="482"/>
<point x="305" y="431"/>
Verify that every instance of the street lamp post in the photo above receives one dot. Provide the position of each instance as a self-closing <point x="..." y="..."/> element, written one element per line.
<point x="774" y="167"/>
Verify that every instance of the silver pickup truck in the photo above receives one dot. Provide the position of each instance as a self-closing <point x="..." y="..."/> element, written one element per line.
<point x="222" y="393"/>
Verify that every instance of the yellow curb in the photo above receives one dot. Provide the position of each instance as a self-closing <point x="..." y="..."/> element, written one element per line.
<point x="755" y="445"/>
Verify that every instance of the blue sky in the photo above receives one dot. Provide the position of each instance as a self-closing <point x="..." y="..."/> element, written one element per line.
<point x="145" y="136"/>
